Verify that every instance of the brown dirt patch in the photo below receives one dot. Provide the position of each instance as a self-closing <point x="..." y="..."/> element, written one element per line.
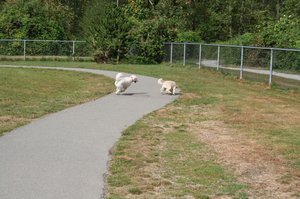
<point x="264" y="172"/>
<point x="268" y="174"/>
<point x="9" y="118"/>
<point x="10" y="122"/>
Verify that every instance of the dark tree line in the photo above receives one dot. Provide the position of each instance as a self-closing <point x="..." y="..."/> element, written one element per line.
<point x="136" y="29"/>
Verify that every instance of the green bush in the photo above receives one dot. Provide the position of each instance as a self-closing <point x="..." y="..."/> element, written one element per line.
<point x="188" y="36"/>
<point x="33" y="19"/>
<point x="283" y="33"/>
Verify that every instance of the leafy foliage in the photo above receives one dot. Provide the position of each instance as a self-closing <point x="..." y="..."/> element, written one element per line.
<point x="136" y="29"/>
<point x="147" y="33"/>
<point x="106" y="30"/>
<point x="34" y="19"/>
<point x="282" y="33"/>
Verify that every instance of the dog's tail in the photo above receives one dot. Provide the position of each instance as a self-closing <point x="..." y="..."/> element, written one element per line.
<point x="118" y="76"/>
<point x="160" y="81"/>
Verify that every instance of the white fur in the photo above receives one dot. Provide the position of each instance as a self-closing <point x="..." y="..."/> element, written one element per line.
<point x="122" y="83"/>
<point x="168" y="87"/>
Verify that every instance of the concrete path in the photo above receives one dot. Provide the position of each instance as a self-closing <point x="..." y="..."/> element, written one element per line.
<point x="64" y="155"/>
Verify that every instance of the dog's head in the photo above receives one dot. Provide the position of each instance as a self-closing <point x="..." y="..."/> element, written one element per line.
<point x="160" y="81"/>
<point x="134" y="78"/>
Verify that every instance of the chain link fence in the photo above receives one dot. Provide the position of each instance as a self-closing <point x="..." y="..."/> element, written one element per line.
<point x="13" y="49"/>
<point x="270" y="65"/>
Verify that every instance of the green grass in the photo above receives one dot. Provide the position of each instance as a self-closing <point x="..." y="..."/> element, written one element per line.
<point x="149" y="157"/>
<point x="26" y="94"/>
<point x="162" y="153"/>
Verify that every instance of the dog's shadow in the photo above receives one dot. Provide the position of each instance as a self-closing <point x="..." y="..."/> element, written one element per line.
<point x="171" y="94"/>
<point x="129" y="94"/>
<point x="146" y="94"/>
<point x="177" y="94"/>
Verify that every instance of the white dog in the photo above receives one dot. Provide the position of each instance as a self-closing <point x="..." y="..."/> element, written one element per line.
<point x="168" y="87"/>
<point x="122" y="83"/>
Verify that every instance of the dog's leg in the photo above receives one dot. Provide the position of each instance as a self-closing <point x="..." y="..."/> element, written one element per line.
<point x="169" y="90"/>
<point x="174" y="89"/>
<point x="118" y="91"/>
<point x="162" y="89"/>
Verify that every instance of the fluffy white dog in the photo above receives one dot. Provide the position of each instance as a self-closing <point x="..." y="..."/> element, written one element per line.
<point x="122" y="83"/>
<point x="168" y="87"/>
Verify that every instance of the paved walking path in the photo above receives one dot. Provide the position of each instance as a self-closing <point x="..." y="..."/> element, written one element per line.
<point x="64" y="155"/>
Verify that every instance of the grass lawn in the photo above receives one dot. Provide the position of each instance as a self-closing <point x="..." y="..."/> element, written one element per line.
<point x="27" y="94"/>
<point x="221" y="138"/>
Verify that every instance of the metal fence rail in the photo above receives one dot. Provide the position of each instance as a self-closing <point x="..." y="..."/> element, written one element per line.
<point x="243" y="59"/>
<point x="28" y="47"/>
<point x="270" y="62"/>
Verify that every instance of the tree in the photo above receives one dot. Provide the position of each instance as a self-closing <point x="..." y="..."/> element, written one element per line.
<point x="282" y="33"/>
<point x="33" y="19"/>
<point x="77" y="8"/>
<point x="149" y="29"/>
<point x="291" y="7"/>
<point x="106" y="28"/>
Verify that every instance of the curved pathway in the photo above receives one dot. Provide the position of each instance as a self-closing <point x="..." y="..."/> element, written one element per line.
<point x="64" y="155"/>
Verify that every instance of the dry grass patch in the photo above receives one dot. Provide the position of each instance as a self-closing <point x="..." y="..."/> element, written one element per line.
<point x="164" y="160"/>
<point x="268" y="174"/>
<point x="255" y="165"/>
<point x="270" y="120"/>
<point x="9" y="122"/>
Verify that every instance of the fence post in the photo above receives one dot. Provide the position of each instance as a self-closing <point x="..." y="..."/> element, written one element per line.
<point x="171" y="54"/>
<point x="24" y="49"/>
<point x="218" y="62"/>
<point x="184" y="50"/>
<point x="271" y="67"/>
<point x="73" y="51"/>
<point x="200" y="54"/>
<point x="242" y="62"/>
